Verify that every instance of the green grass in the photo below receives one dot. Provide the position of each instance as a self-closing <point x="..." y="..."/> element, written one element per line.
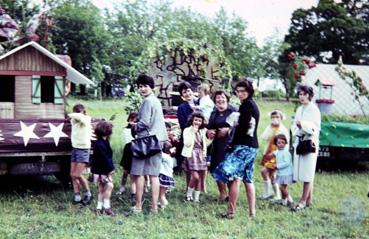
<point x="41" y="208"/>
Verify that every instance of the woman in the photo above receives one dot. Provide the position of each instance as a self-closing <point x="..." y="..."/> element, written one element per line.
<point x="306" y="126"/>
<point x="239" y="163"/>
<point x="150" y="119"/>
<point x="218" y="129"/>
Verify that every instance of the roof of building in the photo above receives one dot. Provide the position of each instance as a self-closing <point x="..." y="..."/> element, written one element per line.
<point x="72" y="74"/>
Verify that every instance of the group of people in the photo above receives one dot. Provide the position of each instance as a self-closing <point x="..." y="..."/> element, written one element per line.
<point x="212" y="132"/>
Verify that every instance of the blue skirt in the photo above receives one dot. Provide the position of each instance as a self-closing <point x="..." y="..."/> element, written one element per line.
<point x="239" y="163"/>
<point x="166" y="181"/>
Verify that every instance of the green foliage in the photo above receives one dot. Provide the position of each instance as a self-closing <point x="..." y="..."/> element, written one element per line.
<point x="133" y="102"/>
<point x="348" y="119"/>
<point x="79" y="31"/>
<point x="330" y="30"/>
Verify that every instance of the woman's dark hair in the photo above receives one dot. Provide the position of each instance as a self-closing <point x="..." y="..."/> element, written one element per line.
<point x="103" y="128"/>
<point x="306" y="89"/>
<point x="132" y="115"/>
<point x="145" y="80"/>
<point x="221" y="92"/>
<point x="247" y="85"/>
<point x="280" y="136"/>
<point x="79" y="108"/>
<point x="184" y="86"/>
<point x="196" y="114"/>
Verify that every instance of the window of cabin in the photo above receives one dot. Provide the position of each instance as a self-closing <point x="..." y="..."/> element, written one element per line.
<point x="7" y="89"/>
<point x="47" y="89"/>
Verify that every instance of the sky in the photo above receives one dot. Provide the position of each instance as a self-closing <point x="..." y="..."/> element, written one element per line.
<point x="264" y="17"/>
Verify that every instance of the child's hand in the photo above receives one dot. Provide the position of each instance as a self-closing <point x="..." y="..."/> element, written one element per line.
<point x="222" y="132"/>
<point x="211" y="133"/>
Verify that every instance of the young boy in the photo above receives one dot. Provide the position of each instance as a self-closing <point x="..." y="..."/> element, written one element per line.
<point x="81" y="143"/>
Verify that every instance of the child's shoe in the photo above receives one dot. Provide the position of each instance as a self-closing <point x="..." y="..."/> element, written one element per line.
<point x="87" y="200"/>
<point x="108" y="211"/>
<point x="122" y="189"/>
<point x="189" y="198"/>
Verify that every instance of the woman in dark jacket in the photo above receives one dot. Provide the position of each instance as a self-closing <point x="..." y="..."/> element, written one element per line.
<point x="239" y="162"/>
<point x="219" y="129"/>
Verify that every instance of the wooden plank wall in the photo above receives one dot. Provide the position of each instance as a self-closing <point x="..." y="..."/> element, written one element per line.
<point x="6" y="110"/>
<point x="29" y="59"/>
<point x="24" y="109"/>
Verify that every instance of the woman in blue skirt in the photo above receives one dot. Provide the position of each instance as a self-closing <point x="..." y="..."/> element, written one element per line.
<point x="239" y="161"/>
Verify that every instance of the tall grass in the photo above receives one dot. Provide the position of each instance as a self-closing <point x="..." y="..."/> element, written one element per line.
<point x="41" y="207"/>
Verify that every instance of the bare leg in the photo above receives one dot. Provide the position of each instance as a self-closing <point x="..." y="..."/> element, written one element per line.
<point x="162" y="198"/>
<point x="265" y="174"/>
<point x="100" y="197"/>
<point x="124" y="178"/>
<point x="305" y="193"/>
<point x="188" y="178"/>
<point x="194" y="180"/>
<point x="309" y="200"/>
<point x="133" y="184"/>
<point x="108" y="190"/>
<point x="203" y="176"/>
<point x="234" y="190"/>
<point x="154" y="180"/>
<point x="222" y="191"/>
<point x="79" y="167"/>
<point x="283" y="188"/>
<point x="73" y="175"/>
<point x="250" y="193"/>
<point x="140" y="184"/>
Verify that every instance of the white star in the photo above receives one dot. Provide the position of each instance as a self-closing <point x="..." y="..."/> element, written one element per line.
<point x="56" y="132"/>
<point x="27" y="133"/>
<point x="1" y="136"/>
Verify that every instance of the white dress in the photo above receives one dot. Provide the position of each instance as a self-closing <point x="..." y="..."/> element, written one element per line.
<point x="304" y="165"/>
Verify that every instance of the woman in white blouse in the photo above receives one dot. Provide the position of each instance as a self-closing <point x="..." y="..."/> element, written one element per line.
<point x="306" y="126"/>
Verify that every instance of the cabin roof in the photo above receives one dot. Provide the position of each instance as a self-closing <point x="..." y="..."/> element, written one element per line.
<point x="72" y="74"/>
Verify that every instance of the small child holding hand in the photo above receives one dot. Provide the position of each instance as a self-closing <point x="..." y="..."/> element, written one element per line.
<point x="102" y="165"/>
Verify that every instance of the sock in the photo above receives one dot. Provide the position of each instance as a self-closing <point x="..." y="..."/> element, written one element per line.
<point x="106" y="203"/>
<point x="99" y="205"/>
<point x="277" y="191"/>
<point x="289" y="198"/>
<point x="267" y="186"/>
<point x="197" y="196"/>
<point x="189" y="192"/>
<point x="122" y="189"/>
<point x="77" y="197"/>
<point x="87" y="193"/>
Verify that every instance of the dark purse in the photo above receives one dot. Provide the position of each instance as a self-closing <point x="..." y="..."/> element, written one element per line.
<point x="305" y="147"/>
<point x="145" y="146"/>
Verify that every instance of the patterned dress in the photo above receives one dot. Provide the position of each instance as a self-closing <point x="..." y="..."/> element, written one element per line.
<point x="197" y="162"/>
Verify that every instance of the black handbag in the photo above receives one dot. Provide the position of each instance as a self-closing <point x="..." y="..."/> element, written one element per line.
<point x="305" y="147"/>
<point x="145" y="146"/>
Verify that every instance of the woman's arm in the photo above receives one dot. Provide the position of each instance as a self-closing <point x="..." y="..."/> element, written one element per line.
<point x="144" y="117"/>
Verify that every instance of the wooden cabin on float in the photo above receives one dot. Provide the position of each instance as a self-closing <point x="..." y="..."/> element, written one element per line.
<point x="34" y="83"/>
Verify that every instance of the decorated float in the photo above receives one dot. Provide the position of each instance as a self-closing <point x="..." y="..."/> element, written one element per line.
<point x="34" y="131"/>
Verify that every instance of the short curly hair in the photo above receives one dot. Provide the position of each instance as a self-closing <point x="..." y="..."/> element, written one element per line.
<point x="103" y="129"/>
<point x="280" y="136"/>
<point x="145" y="80"/>
<point x="306" y="89"/>
<point x="197" y="114"/>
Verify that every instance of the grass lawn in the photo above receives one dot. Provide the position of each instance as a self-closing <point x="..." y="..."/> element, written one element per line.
<point x="40" y="207"/>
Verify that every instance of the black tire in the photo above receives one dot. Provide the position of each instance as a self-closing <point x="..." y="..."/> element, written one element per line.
<point x="64" y="175"/>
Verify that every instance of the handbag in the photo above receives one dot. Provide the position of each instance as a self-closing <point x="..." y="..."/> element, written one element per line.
<point x="305" y="147"/>
<point x="145" y="146"/>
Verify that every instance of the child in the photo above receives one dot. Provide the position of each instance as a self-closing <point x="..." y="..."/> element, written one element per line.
<point x="205" y="104"/>
<point x="284" y="167"/>
<point x="81" y="143"/>
<point x="194" y="150"/>
<point x="126" y="161"/>
<point x="268" y="161"/>
<point x="102" y="165"/>
<point x="166" y="174"/>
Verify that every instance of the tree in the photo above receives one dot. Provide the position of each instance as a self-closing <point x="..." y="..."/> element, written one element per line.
<point x="79" y="31"/>
<point x="330" y="30"/>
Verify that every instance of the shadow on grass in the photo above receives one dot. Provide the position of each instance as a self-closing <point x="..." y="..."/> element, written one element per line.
<point x="25" y="184"/>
